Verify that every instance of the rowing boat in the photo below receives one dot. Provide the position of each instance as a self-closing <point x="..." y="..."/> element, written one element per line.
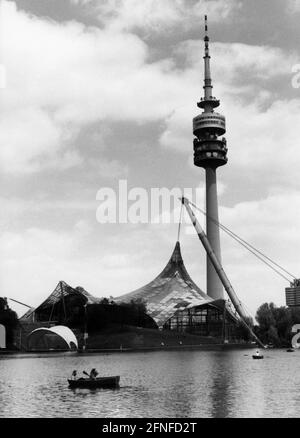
<point x="99" y="382"/>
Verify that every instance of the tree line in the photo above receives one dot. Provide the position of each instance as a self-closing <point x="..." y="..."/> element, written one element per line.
<point x="275" y="324"/>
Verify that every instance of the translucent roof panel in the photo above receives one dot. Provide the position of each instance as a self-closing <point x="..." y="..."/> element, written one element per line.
<point x="171" y="291"/>
<point x="62" y="290"/>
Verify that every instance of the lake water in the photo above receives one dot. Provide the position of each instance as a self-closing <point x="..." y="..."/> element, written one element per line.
<point x="154" y="384"/>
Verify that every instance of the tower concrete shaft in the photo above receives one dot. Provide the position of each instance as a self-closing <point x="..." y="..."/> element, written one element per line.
<point x="210" y="152"/>
<point x="214" y="285"/>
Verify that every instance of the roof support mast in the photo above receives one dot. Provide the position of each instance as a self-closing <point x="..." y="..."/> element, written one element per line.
<point x="220" y="271"/>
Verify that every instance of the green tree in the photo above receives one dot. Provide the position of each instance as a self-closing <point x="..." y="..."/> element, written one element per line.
<point x="275" y="323"/>
<point x="283" y="319"/>
<point x="265" y="317"/>
<point x="272" y="336"/>
<point x="242" y="332"/>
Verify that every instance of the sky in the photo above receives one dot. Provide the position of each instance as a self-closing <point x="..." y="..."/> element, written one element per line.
<point x="99" y="91"/>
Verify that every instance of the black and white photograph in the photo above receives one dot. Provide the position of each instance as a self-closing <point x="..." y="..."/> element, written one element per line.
<point x="150" y="212"/>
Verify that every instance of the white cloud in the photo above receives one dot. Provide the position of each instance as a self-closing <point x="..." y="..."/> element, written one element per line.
<point x="29" y="260"/>
<point x="35" y="259"/>
<point x="38" y="258"/>
<point x="110" y="169"/>
<point x="293" y="6"/>
<point x="269" y="225"/>
<point x="61" y="77"/>
<point x="157" y="15"/>
<point x="280" y="235"/>
<point x="266" y="140"/>
<point x="24" y="135"/>
<point x="64" y="76"/>
<point x="260" y="62"/>
<point x="72" y="76"/>
<point x="237" y="69"/>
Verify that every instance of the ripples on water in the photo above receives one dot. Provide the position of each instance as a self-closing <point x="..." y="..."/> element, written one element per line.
<point x="154" y="384"/>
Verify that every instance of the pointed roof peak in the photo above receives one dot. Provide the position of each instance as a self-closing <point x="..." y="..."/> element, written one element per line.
<point x="176" y="256"/>
<point x="172" y="290"/>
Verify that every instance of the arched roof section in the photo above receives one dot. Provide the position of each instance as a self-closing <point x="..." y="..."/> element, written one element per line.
<point x="60" y="330"/>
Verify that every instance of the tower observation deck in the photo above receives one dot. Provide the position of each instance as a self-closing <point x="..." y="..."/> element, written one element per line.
<point x="210" y="152"/>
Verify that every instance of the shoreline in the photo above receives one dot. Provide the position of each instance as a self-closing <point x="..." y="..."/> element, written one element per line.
<point x="199" y="347"/>
<point x="211" y="347"/>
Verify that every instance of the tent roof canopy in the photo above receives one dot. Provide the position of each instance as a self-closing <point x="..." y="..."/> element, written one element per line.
<point x="171" y="291"/>
<point x="62" y="290"/>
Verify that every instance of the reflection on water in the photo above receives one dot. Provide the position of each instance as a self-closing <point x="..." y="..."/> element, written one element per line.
<point x="220" y="387"/>
<point x="154" y="384"/>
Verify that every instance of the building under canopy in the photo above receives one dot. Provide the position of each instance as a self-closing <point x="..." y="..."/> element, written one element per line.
<point x="175" y="302"/>
<point x="55" y="338"/>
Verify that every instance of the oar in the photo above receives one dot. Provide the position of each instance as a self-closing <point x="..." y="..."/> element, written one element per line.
<point x="87" y="374"/>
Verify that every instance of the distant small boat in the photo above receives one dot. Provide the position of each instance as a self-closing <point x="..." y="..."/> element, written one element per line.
<point x="99" y="382"/>
<point x="257" y="355"/>
<point x="290" y="350"/>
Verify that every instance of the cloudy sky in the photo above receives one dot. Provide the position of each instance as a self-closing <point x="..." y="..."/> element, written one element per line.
<point x="102" y="90"/>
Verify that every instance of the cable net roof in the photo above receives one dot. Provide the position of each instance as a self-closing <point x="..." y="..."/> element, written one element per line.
<point x="61" y="291"/>
<point x="171" y="291"/>
<point x="64" y="290"/>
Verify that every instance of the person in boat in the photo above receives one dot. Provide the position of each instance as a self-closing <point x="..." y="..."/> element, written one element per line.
<point x="94" y="373"/>
<point x="257" y="353"/>
<point x="74" y="375"/>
